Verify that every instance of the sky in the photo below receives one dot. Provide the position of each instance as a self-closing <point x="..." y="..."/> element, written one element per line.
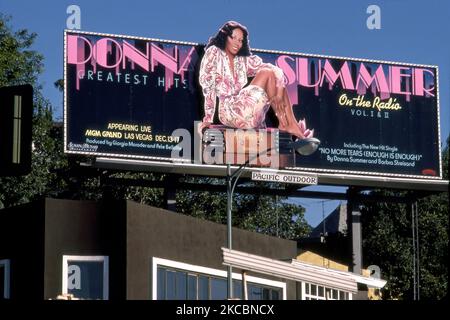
<point x="411" y="31"/>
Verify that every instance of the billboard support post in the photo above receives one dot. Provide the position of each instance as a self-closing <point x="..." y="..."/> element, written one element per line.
<point x="354" y="230"/>
<point x="416" y="248"/>
<point x="303" y="146"/>
<point x="170" y="193"/>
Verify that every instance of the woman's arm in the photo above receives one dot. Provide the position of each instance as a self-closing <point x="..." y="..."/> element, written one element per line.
<point x="207" y="79"/>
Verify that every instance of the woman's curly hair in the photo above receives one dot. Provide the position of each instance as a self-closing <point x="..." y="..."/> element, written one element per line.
<point x="220" y="39"/>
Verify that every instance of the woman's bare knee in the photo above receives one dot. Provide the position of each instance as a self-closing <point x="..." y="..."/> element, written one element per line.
<point x="265" y="78"/>
<point x="266" y="73"/>
<point x="261" y="78"/>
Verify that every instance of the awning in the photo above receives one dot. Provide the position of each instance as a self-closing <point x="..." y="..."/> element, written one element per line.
<point x="372" y="282"/>
<point x="298" y="271"/>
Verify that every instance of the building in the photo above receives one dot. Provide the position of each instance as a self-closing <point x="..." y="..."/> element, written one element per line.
<point x="122" y="250"/>
<point x="328" y="246"/>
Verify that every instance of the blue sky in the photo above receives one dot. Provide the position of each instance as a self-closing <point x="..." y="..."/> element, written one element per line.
<point x="413" y="31"/>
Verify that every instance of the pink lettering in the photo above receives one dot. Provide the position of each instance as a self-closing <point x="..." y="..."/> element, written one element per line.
<point x="367" y="79"/>
<point x="185" y="64"/>
<point x="75" y="49"/>
<point x="332" y="76"/>
<point x="419" y="86"/>
<point x="303" y="69"/>
<point x="160" y="56"/>
<point x="135" y="56"/>
<point x="311" y="73"/>
<point x="287" y="69"/>
<point x="103" y="48"/>
<point x="187" y="60"/>
<point x="308" y="72"/>
<point x="396" y="76"/>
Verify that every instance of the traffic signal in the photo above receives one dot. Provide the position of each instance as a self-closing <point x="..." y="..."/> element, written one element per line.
<point x="16" y="112"/>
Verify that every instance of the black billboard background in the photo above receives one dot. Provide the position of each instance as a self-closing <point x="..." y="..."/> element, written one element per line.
<point x="412" y="131"/>
<point x="405" y="133"/>
<point x="99" y="103"/>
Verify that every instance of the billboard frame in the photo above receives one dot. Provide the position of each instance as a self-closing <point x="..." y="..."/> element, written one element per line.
<point x="329" y="179"/>
<point x="326" y="176"/>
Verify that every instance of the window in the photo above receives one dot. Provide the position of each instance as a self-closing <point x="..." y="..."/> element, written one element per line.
<point x="192" y="287"/>
<point x="203" y="288"/>
<point x="4" y="279"/>
<point x="315" y="292"/>
<point x="218" y="289"/>
<point x="17" y="120"/>
<point x="176" y="280"/>
<point x="86" y="277"/>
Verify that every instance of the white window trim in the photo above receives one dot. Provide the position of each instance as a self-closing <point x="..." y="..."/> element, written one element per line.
<point x="104" y="259"/>
<point x="6" y="264"/>
<point x="316" y="296"/>
<point x="156" y="262"/>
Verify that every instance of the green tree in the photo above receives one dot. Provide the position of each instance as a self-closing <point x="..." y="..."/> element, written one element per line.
<point x="57" y="175"/>
<point x="89" y="187"/>
<point x="387" y="242"/>
<point x="254" y="212"/>
<point x="21" y="65"/>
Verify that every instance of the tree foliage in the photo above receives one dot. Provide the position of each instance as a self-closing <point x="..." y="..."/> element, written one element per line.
<point x="53" y="172"/>
<point x="255" y="212"/>
<point x="21" y="65"/>
<point x="387" y="230"/>
<point x="387" y="242"/>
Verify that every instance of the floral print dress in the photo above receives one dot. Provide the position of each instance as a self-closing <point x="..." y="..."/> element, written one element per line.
<point x="239" y="107"/>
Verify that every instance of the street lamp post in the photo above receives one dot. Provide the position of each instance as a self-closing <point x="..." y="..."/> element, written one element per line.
<point x="229" y="238"/>
<point x="303" y="146"/>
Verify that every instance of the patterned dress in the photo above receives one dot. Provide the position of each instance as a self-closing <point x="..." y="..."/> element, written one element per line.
<point x="239" y="107"/>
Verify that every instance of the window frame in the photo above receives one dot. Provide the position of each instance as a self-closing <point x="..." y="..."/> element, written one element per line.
<point x="104" y="259"/>
<point x="326" y="290"/>
<point x="6" y="263"/>
<point x="196" y="269"/>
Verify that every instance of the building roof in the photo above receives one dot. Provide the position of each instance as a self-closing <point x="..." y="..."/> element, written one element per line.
<point x="298" y="271"/>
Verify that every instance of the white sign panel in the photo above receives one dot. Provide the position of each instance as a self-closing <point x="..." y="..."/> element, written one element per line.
<point x="284" y="178"/>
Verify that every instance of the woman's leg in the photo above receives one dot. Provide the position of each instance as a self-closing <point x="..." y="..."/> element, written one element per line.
<point x="288" y="109"/>
<point x="266" y="79"/>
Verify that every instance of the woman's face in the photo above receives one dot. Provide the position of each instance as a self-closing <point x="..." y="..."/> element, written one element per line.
<point x="234" y="42"/>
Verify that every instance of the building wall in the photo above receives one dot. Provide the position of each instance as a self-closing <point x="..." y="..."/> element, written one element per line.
<point x="154" y="232"/>
<point x="37" y="235"/>
<point x="318" y="260"/>
<point x="84" y="228"/>
<point x="22" y="241"/>
<point x="321" y="261"/>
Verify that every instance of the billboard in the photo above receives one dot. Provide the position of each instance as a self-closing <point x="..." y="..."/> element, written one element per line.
<point x="140" y="98"/>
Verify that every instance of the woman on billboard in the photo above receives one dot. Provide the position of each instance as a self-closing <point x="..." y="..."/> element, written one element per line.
<point x="223" y="73"/>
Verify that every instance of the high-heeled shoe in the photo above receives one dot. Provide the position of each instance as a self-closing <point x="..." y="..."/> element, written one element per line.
<point x="306" y="146"/>
<point x="307" y="133"/>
